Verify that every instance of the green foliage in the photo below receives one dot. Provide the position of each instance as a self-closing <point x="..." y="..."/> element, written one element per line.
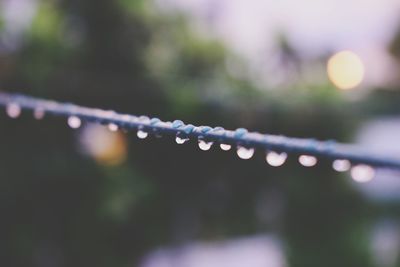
<point x="123" y="191"/>
<point x="1" y="24"/>
<point x="137" y="7"/>
<point x="47" y="23"/>
<point x="45" y="45"/>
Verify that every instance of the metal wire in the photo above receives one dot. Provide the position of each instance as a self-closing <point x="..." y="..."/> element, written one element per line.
<point x="240" y="137"/>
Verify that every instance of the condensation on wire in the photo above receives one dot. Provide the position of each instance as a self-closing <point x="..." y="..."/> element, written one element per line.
<point x="344" y="157"/>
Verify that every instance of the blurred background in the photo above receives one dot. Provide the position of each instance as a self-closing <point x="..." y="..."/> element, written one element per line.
<point x="95" y="197"/>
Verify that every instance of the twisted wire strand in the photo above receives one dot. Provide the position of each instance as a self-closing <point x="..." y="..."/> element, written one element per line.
<point x="240" y="137"/>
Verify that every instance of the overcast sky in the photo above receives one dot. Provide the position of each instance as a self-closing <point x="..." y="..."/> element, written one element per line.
<point x="314" y="26"/>
<point x="249" y="27"/>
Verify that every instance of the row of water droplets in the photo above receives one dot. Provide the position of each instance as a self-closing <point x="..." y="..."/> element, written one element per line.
<point x="360" y="172"/>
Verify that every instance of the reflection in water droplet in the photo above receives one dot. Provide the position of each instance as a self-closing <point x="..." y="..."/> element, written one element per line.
<point x="113" y="127"/>
<point x="225" y="147"/>
<point x="362" y="173"/>
<point x="276" y="159"/>
<point x="141" y="134"/>
<point x="308" y="161"/>
<point x="39" y="113"/>
<point x="205" y="145"/>
<point x="245" y="153"/>
<point x="74" y="122"/>
<point x="180" y="140"/>
<point x="341" y="165"/>
<point x="13" y="110"/>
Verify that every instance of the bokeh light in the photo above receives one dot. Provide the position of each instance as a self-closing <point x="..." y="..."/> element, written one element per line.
<point x="105" y="146"/>
<point x="345" y="70"/>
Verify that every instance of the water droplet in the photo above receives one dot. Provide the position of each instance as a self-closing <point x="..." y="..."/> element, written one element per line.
<point x="308" y="161"/>
<point x="113" y="127"/>
<point x="39" y="113"/>
<point x="245" y="153"/>
<point x="74" y="122"/>
<point x="362" y="173"/>
<point x="205" y="145"/>
<point x="13" y="110"/>
<point x="341" y="165"/>
<point x="142" y="134"/>
<point x="180" y="140"/>
<point x="276" y="159"/>
<point x="225" y="147"/>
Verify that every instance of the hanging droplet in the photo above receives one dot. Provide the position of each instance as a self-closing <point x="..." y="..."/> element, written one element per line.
<point x="276" y="159"/>
<point x="245" y="153"/>
<point x="341" y="165"/>
<point x="225" y="147"/>
<point x="180" y="140"/>
<point x="74" y="122"/>
<point x="362" y="173"/>
<point x="39" y="113"/>
<point x="13" y="110"/>
<point x="142" y="134"/>
<point x="113" y="127"/>
<point x="308" y="161"/>
<point x="205" y="145"/>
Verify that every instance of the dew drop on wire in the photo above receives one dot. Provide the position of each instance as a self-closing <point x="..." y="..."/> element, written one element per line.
<point x="245" y="153"/>
<point x="74" y="122"/>
<point x="362" y="173"/>
<point x="308" y="161"/>
<point x="142" y="134"/>
<point x="203" y="145"/>
<point x="113" y="127"/>
<point x="276" y="159"/>
<point x="180" y="140"/>
<point x="39" y="113"/>
<point x="225" y="147"/>
<point x="341" y="165"/>
<point x="13" y="110"/>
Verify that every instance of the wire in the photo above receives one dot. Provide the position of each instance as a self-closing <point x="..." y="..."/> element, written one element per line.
<point x="245" y="141"/>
